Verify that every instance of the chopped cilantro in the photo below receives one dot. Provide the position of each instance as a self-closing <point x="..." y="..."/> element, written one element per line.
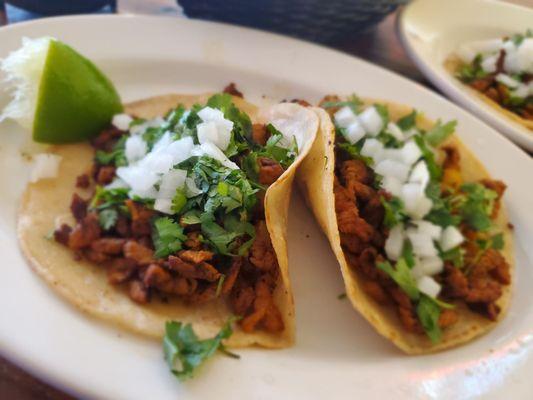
<point x="353" y="102"/>
<point x="108" y="218"/>
<point x="383" y="111"/>
<point x="184" y="351"/>
<point x="116" y="157"/>
<point x="455" y="256"/>
<point x="441" y="211"/>
<point x="435" y="170"/>
<point x="440" y="132"/>
<point x="168" y="237"/>
<point x="178" y="201"/>
<point x="105" y="198"/>
<point x="477" y="205"/>
<point x="408" y="121"/>
<point x="428" y="312"/>
<point x="494" y="242"/>
<point x="394" y="211"/>
<point x="401" y="274"/>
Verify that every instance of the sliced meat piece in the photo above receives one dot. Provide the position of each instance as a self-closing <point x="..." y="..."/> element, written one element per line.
<point x="142" y="255"/>
<point x="455" y="282"/>
<point x="232" y="89"/>
<point x="448" y="318"/>
<point x="262" y="301"/>
<point x="353" y="171"/>
<point x="269" y="170"/>
<point x="120" y="270"/>
<point x="203" y="271"/>
<point x="272" y="322"/>
<point x="499" y="187"/>
<point x="62" y="234"/>
<point x="231" y="275"/>
<point x="122" y="226"/>
<point x="352" y="243"/>
<point x="107" y="138"/>
<point x="85" y="232"/>
<point x="242" y="298"/>
<point x="112" y="246"/>
<point x="196" y="257"/>
<point x="140" y="219"/>
<point x="138" y="292"/>
<point x="95" y="256"/>
<point x="78" y="207"/>
<point x="348" y="218"/>
<point x="260" y="134"/>
<point x="374" y="290"/>
<point x="83" y="181"/>
<point x="161" y="279"/>
<point x="262" y="254"/>
<point x="105" y="175"/>
<point x="207" y="294"/>
<point x="193" y="241"/>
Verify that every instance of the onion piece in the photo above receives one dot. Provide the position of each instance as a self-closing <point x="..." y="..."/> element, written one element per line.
<point x="393" y="168"/>
<point x="44" y="166"/>
<point x="371" y="121"/>
<point x="170" y="182"/>
<point x="392" y="185"/>
<point x="354" y="132"/>
<point x="420" y="174"/>
<point x="371" y="147"/>
<point x="122" y="121"/>
<point x="344" y="117"/>
<point x="432" y="265"/>
<point x="428" y="286"/>
<point x="410" y="153"/>
<point x="163" y="205"/>
<point x="135" y="148"/>
<point x="394" y="243"/>
<point x="428" y="228"/>
<point x="451" y="237"/>
<point x="423" y="245"/>
<point x="395" y="131"/>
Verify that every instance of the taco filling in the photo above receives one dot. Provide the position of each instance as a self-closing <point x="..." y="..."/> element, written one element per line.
<point x="178" y="208"/>
<point x="502" y="70"/>
<point x="419" y="237"/>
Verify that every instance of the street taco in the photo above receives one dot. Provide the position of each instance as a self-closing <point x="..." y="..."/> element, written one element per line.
<point x="179" y="213"/>
<point x="416" y="223"/>
<point x="499" y="72"/>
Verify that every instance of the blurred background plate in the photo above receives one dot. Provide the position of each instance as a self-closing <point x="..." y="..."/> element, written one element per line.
<point x="431" y="30"/>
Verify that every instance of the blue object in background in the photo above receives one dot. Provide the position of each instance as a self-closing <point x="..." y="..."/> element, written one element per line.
<point x="316" y="20"/>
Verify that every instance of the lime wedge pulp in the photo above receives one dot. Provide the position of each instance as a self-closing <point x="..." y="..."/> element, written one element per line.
<point x="58" y="94"/>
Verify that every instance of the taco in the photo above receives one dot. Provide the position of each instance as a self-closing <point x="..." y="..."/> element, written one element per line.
<point x="179" y="213"/>
<point x="499" y="72"/>
<point x="416" y="223"/>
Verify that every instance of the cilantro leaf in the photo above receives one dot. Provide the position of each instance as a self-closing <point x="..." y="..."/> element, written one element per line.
<point x="401" y="274"/>
<point x="182" y="346"/>
<point x="494" y="242"/>
<point x="440" y="132"/>
<point x="353" y="102"/>
<point x="242" y="124"/>
<point x="455" y="256"/>
<point x="470" y="72"/>
<point x="428" y="312"/>
<point x="441" y="211"/>
<point x="394" y="211"/>
<point x="105" y="198"/>
<point x="477" y="206"/>
<point x="108" y="218"/>
<point x="435" y="170"/>
<point x="167" y="236"/>
<point x="383" y="111"/>
<point x="408" y="121"/>
<point x="178" y="201"/>
<point x="116" y="157"/>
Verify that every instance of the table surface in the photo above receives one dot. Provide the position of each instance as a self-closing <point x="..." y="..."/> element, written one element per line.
<point x="380" y="45"/>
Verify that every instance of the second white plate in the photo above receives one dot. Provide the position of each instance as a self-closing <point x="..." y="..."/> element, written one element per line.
<point x="433" y="29"/>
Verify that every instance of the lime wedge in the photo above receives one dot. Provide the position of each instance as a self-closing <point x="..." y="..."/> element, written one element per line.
<point x="59" y="94"/>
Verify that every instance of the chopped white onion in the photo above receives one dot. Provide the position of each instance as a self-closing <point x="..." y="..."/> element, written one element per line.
<point x="394" y="243"/>
<point x="489" y="64"/>
<point x="141" y="128"/>
<point x="422" y="208"/>
<point x="135" y="148"/>
<point x="525" y="56"/>
<point x="428" y="228"/>
<point x="451" y="237"/>
<point x="163" y="205"/>
<point x="210" y="114"/>
<point x="117" y="183"/>
<point x="209" y="149"/>
<point x="411" y="195"/>
<point x="428" y="286"/>
<point x="122" y="121"/>
<point x="410" y="153"/>
<point x="417" y="271"/>
<point x="507" y="80"/>
<point x="423" y="245"/>
<point x="371" y="121"/>
<point x="44" y="166"/>
<point x="180" y="150"/>
<point x="432" y="265"/>
<point x="207" y="132"/>
<point x="214" y="128"/>
<point x="344" y="117"/>
<point x="393" y="168"/>
<point x="191" y="189"/>
<point x="140" y="180"/>
<point x="420" y="174"/>
<point x="371" y="147"/>
<point x="354" y="132"/>
<point x="170" y="182"/>
<point x="395" y="131"/>
<point x="392" y="185"/>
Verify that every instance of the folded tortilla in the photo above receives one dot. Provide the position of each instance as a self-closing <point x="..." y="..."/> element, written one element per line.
<point x="315" y="178"/>
<point x="45" y="205"/>
<point x="452" y="65"/>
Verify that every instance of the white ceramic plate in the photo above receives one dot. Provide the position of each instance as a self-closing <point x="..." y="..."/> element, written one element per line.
<point x="431" y="30"/>
<point x="337" y="354"/>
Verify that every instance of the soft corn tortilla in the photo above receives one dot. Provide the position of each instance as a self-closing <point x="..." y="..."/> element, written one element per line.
<point x="45" y="205"/>
<point x="452" y="65"/>
<point x="315" y="179"/>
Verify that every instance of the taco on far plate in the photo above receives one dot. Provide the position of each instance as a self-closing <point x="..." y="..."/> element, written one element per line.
<point x="179" y="213"/>
<point x="416" y="223"/>
<point x="499" y="72"/>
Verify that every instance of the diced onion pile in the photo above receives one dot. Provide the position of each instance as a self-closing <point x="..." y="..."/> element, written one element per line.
<point x="405" y="175"/>
<point x="518" y="59"/>
<point x="44" y="166"/>
<point x="151" y="174"/>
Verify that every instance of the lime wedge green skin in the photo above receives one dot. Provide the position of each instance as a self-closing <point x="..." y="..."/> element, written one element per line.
<point x="75" y="100"/>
